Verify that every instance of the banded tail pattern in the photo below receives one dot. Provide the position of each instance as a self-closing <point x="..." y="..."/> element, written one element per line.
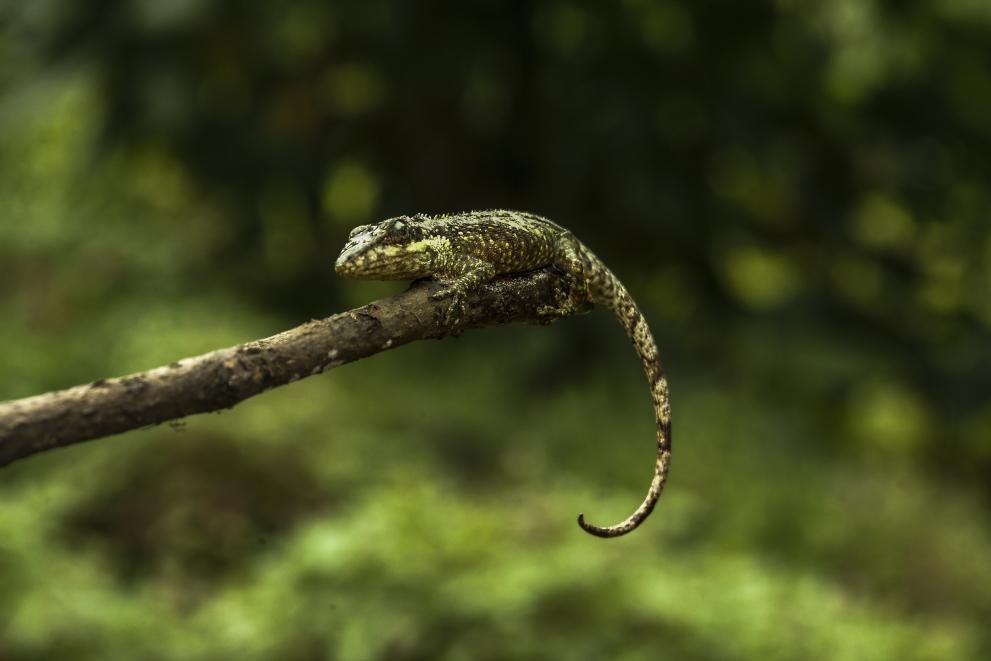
<point x="606" y="289"/>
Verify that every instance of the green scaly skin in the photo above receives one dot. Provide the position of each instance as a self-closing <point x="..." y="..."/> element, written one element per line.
<point x="462" y="251"/>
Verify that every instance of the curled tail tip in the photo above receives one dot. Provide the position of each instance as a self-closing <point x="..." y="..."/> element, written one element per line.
<point x="609" y="531"/>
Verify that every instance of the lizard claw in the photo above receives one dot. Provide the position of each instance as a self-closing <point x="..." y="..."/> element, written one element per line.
<point x="457" y="310"/>
<point x="442" y="294"/>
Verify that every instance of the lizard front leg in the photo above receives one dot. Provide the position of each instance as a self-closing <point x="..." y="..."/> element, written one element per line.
<point x="461" y="277"/>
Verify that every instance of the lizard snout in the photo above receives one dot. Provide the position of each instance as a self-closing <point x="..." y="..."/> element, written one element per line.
<point x="342" y="265"/>
<point x="350" y="260"/>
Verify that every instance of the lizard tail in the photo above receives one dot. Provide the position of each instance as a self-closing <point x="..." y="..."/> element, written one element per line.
<point x="606" y="289"/>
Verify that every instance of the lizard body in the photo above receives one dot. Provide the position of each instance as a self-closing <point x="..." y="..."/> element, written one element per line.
<point x="463" y="251"/>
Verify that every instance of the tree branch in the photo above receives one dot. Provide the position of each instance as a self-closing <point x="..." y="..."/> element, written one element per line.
<point x="220" y="379"/>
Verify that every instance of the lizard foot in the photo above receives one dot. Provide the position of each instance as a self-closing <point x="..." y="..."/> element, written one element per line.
<point x="457" y="311"/>
<point x="570" y="299"/>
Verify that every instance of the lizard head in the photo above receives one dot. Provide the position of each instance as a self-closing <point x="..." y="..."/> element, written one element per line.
<point x="395" y="249"/>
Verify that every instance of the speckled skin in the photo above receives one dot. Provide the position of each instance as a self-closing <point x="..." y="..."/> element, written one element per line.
<point x="463" y="251"/>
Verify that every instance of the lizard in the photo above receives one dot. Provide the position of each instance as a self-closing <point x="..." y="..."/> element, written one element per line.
<point x="462" y="251"/>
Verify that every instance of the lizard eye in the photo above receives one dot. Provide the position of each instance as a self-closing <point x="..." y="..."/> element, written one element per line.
<point x="399" y="229"/>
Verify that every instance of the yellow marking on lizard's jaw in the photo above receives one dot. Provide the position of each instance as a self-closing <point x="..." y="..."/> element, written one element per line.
<point x="368" y="259"/>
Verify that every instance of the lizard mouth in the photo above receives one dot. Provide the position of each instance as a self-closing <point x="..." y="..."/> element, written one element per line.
<point x="360" y="263"/>
<point x="353" y="260"/>
<point x="343" y="265"/>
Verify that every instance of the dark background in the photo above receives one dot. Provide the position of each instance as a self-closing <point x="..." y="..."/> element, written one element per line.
<point x="795" y="191"/>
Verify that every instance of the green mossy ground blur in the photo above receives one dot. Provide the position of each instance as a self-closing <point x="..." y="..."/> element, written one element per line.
<point x="795" y="191"/>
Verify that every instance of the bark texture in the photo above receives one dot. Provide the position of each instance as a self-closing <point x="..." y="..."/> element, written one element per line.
<point x="220" y="379"/>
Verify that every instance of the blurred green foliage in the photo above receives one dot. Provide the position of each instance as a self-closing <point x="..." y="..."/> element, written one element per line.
<point x="796" y="191"/>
